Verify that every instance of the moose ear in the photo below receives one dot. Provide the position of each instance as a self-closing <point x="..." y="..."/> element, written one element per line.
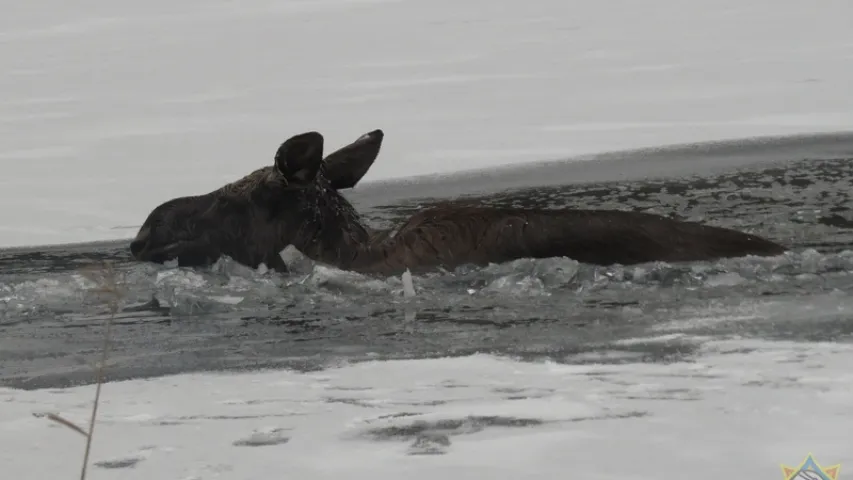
<point x="345" y="167"/>
<point x="299" y="158"/>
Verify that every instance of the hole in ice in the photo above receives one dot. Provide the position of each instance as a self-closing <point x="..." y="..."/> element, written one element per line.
<point x="429" y="444"/>
<point x="127" y="462"/>
<point x="264" y="438"/>
<point x="449" y="426"/>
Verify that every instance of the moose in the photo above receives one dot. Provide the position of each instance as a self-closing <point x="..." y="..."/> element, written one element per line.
<point x="297" y="201"/>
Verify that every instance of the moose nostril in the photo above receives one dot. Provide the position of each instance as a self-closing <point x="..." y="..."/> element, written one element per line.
<point x="136" y="246"/>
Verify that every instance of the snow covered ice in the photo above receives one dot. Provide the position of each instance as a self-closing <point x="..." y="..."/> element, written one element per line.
<point x="741" y="409"/>
<point x="109" y="108"/>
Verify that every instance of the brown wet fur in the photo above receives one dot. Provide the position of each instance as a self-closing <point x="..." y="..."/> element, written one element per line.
<point x="297" y="201"/>
<point x="450" y="236"/>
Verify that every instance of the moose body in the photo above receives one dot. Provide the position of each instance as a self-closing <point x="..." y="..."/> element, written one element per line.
<point x="297" y="201"/>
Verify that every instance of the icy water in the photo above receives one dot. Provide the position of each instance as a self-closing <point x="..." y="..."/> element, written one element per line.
<point x="232" y="318"/>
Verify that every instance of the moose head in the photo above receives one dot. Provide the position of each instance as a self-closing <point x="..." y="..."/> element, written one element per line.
<point x="293" y="201"/>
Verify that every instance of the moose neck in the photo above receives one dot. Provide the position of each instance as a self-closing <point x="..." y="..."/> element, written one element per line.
<point x="332" y="232"/>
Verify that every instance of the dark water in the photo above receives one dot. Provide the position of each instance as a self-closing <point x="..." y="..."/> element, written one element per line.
<point x="792" y="190"/>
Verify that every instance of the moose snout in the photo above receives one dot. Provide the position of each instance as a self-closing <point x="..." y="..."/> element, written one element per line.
<point x="142" y="249"/>
<point x="137" y="246"/>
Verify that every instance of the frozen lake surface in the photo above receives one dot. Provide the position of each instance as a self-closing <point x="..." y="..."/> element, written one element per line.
<point x="522" y="369"/>
<point x="531" y="369"/>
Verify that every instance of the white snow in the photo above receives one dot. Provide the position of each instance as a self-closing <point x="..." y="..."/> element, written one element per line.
<point x="108" y="109"/>
<point x="731" y="413"/>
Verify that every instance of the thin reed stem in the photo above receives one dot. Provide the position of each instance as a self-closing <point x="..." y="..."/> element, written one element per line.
<point x="108" y="286"/>
<point x="100" y="375"/>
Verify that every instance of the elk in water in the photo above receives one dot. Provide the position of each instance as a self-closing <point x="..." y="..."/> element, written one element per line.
<point x="297" y="201"/>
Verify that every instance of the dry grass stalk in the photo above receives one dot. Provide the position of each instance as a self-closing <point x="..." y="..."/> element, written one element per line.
<point x="109" y="287"/>
<point x="62" y="421"/>
<point x="111" y="291"/>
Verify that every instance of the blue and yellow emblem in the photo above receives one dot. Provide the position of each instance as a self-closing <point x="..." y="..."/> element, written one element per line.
<point x="810" y="470"/>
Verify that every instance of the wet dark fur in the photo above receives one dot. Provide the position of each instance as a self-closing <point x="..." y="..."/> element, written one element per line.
<point x="297" y="201"/>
